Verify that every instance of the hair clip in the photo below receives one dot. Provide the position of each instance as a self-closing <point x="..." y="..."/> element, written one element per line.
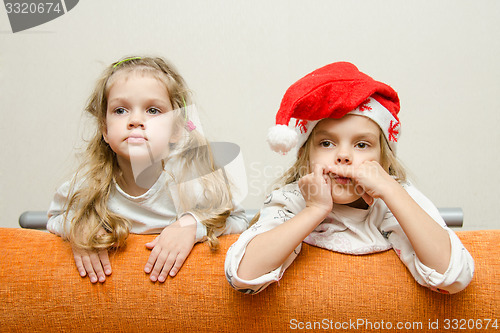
<point x="125" y="60"/>
<point x="189" y="124"/>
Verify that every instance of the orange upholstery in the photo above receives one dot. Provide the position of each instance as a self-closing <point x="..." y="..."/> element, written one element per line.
<point x="40" y="291"/>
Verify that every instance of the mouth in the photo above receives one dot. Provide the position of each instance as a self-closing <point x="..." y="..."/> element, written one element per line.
<point x="341" y="180"/>
<point x="135" y="139"/>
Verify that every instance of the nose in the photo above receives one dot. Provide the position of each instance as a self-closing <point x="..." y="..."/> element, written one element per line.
<point x="136" y="120"/>
<point x="344" y="157"/>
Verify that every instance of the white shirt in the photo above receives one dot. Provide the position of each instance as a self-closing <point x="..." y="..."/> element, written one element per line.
<point x="352" y="231"/>
<point x="149" y="213"/>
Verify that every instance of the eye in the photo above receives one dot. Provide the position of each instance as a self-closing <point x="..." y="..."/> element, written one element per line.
<point x="326" y="144"/>
<point x="154" y="111"/>
<point x="120" y="111"/>
<point x="362" y="145"/>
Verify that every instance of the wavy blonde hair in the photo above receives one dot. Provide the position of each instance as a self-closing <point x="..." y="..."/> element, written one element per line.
<point x="95" y="177"/>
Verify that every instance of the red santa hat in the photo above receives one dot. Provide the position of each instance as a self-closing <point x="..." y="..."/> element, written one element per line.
<point x="333" y="91"/>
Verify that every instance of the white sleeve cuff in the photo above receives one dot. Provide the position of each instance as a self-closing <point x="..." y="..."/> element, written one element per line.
<point x="201" y="229"/>
<point x="232" y="263"/>
<point x="458" y="274"/>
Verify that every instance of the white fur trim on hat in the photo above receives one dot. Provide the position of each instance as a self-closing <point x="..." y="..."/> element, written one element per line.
<point x="305" y="132"/>
<point x="389" y="125"/>
<point x="375" y="111"/>
<point x="282" y="138"/>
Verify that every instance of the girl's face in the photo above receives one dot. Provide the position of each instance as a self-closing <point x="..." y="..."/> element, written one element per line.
<point x="347" y="141"/>
<point x="139" y="121"/>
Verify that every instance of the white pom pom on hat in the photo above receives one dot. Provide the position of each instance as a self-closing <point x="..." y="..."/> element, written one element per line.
<point x="282" y="138"/>
<point x="333" y="91"/>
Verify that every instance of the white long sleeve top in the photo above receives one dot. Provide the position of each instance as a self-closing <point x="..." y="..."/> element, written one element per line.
<point x="149" y="213"/>
<point x="351" y="231"/>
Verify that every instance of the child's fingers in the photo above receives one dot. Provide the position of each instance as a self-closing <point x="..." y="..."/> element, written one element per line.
<point x="328" y="180"/>
<point x="94" y="264"/>
<point x="163" y="275"/>
<point x="87" y="263"/>
<point x="79" y="264"/>
<point x="318" y="170"/>
<point x="152" y="259"/>
<point x="167" y="265"/>
<point x="152" y="244"/>
<point x="97" y="266"/>
<point x="103" y="256"/>
<point x="342" y="171"/>
<point x="367" y="198"/>
<point x="181" y="258"/>
<point x="158" y="265"/>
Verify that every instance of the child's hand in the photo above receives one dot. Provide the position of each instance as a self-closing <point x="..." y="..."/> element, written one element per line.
<point x="316" y="188"/>
<point x="171" y="248"/>
<point x="95" y="264"/>
<point x="370" y="179"/>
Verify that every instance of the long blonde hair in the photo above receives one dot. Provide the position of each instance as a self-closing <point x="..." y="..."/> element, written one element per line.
<point x="96" y="175"/>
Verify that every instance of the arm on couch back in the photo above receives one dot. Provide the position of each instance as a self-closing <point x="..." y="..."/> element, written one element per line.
<point x="453" y="216"/>
<point x="40" y="290"/>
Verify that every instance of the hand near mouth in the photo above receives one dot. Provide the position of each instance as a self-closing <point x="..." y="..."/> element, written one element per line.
<point x="316" y="189"/>
<point x="369" y="178"/>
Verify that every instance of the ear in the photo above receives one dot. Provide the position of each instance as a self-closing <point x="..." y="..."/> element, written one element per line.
<point x="105" y="135"/>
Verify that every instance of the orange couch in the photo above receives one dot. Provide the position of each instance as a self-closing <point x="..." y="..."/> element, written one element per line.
<point x="41" y="291"/>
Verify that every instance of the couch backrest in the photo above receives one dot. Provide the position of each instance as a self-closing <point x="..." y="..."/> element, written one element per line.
<point x="40" y="290"/>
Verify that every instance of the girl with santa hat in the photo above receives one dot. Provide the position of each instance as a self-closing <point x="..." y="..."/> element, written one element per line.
<point x="346" y="192"/>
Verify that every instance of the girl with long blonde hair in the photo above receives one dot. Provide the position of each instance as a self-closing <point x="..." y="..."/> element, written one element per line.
<point x="147" y="169"/>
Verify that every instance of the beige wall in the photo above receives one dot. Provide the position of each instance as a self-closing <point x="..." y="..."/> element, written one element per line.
<point x="239" y="57"/>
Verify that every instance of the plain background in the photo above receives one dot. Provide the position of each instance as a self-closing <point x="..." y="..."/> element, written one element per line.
<point x="239" y="57"/>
